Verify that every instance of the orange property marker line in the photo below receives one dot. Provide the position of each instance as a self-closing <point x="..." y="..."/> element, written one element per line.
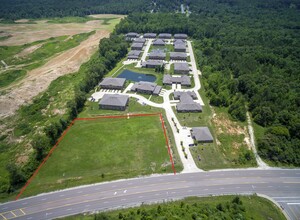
<point x="167" y="142"/>
<point x="44" y="161"/>
<point x="89" y="119"/>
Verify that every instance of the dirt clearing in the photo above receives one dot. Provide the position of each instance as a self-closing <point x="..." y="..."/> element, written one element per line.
<point x="39" y="79"/>
<point x="27" y="33"/>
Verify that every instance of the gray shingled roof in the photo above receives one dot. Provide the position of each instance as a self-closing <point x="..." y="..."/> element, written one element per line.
<point x="138" y="45"/>
<point x="132" y="34"/>
<point x="139" y="40"/>
<point x="189" y="107"/>
<point x="109" y="81"/>
<point x="181" y="67"/>
<point x="180" y="36"/>
<point x="165" y="35"/>
<point x="180" y="47"/>
<point x="114" y="100"/>
<point x="159" y="42"/>
<point x="153" y="63"/>
<point x="134" y="54"/>
<point x="177" y="94"/>
<point x="179" y="41"/>
<point x="178" y="55"/>
<point x="202" y="134"/>
<point x="158" y="54"/>
<point x="157" y="90"/>
<point x="187" y="103"/>
<point x="183" y="80"/>
<point x="146" y="86"/>
<point x="150" y="35"/>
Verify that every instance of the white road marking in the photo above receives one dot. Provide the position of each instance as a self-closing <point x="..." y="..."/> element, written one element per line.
<point x="69" y="209"/>
<point x="125" y="190"/>
<point x="61" y="195"/>
<point x="205" y="189"/>
<point x="190" y="191"/>
<point x="44" y="199"/>
<point x="105" y="202"/>
<point x="123" y="199"/>
<point x="29" y="218"/>
<point x="87" y="205"/>
<point x="270" y="186"/>
<point x="173" y="192"/>
<point x="115" y="193"/>
<point x="293" y="203"/>
<point x="157" y="194"/>
<point x="237" y="187"/>
<point x="79" y="192"/>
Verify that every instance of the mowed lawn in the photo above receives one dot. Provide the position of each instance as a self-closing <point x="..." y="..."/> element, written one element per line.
<point x="102" y="150"/>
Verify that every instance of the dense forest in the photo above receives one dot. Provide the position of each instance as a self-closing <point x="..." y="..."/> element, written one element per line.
<point x="16" y="9"/>
<point x="250" y="59"/>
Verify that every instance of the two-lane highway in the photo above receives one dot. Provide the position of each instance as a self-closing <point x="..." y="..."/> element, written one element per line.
<point x="282" y="186"/>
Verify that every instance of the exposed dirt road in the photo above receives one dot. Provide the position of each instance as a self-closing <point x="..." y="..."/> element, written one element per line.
<point x="39" y="79"/>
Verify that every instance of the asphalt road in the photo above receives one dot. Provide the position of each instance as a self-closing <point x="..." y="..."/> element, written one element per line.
<point x="281" y="185"/>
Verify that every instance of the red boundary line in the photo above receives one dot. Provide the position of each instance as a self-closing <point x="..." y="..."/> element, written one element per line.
<point x="167" y="142"/>
<point x="89" y="119"/>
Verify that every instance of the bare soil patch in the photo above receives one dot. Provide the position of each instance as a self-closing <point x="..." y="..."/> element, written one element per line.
<point x="39" y="79"/>
<point x="28" y="50"/>
<point x="22" y="21"/>
<point x="27" y="33"/>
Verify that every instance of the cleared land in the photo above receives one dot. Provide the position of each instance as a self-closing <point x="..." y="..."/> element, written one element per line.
<point x="38" y="79"/>
<point x="105" y="149"/>
<point x="42" y="29"/>
<point x="217" y="207"/>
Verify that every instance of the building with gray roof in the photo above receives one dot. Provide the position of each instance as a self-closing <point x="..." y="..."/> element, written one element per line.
<point x="181" y="68"/>
<point x="180" y="48"/>
<point x="179" y="41"/>
<point x="137" y="46"/>
<point x="114" y="102"/>
<point x="139" y="40"/>
<point x="112" y="83"/>
<point x="178" y="56"/>
<point x="157" y="55"/>
<point x="187" y="104"/>
<point x="159" y="42"/>
<point x="149" y="35"/>
<point x="177" y="94"/>
<point x="146" y="87"/>
<point x="152" y="63"/>
<point x="183" y="80"/>
<point x="132" y="35"/>
<point x="202" y="134"/>
<point x="165" y="36"/>
<point x="134" y="54"/>
<point x="180" y="36"/>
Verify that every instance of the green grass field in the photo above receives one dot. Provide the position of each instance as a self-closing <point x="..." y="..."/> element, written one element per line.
<point x="214" y="207"/>
<point x="102" y="150"/>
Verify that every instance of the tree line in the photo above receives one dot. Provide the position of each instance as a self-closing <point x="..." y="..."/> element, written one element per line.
<point x="250" y="59"/>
